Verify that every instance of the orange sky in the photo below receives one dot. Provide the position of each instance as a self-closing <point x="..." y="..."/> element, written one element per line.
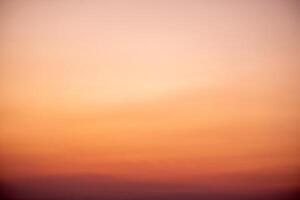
<point x="195" y="91"/>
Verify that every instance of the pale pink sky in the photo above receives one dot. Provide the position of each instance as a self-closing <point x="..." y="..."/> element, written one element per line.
<point x="133" y="83"/>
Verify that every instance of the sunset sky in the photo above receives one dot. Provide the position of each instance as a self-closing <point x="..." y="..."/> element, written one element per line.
<point x="181" y="96"/>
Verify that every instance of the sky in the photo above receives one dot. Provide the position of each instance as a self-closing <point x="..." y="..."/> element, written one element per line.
<point x="149" y="99"/>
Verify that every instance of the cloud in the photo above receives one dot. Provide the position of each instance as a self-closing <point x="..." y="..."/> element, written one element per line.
<point x="95" y="187"/>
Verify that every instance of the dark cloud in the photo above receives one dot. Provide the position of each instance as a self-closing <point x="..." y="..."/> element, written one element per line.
<point x="95" y="187"/>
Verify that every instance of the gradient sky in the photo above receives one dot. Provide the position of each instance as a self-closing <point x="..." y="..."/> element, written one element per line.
<point x="204" y="93"/>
